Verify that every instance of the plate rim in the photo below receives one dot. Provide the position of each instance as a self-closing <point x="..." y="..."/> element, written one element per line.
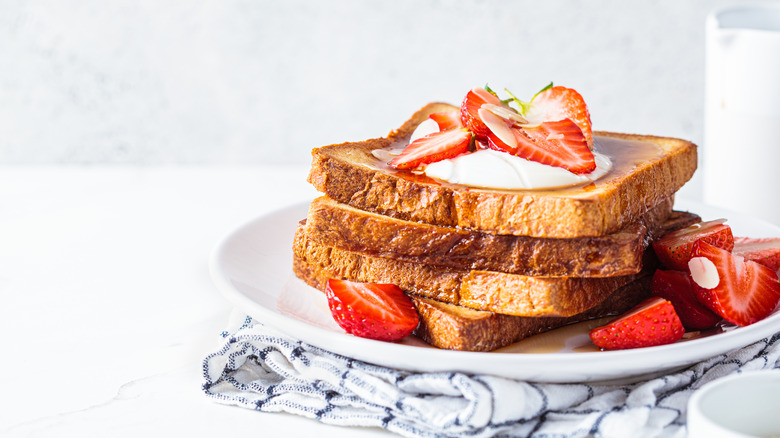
<point x="686" y="353"/>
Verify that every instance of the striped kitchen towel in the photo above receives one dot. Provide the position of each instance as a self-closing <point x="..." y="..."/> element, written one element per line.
<point x="260" y="368"/>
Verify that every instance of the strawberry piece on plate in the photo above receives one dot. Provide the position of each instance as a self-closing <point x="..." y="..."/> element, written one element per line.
<point x="434" y="147"/>
<point x="369" y="310"/>
<point x="559" y="144"/>
<point x="469" y="110"/>
<point x="764" y="251"/>
<point x="674" y="249"/>
<point x="676" y="287"/>
<point x="447" y="120"/>
<point x="739" y="290"/>
<point x="557" y="103"/>
<point x="652" y="322"/>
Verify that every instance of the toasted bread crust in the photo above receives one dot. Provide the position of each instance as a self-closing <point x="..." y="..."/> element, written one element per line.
<point x="335" y="224"/>
<point x="345" y="173"/>
<point x="458" y="328"/>
<point x="455" y="327"/>
<point x="499" y="292"/>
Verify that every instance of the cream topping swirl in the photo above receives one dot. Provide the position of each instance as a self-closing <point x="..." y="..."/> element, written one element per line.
<point x="487" y="168"/>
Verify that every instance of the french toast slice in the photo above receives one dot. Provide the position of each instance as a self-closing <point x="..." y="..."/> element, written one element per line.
<point x="647" y="170"/>
<point x="499" y="292"/>
<point x="459" y="328"/>
<point x="455" y="327"/>
<point x="335" y="224"/>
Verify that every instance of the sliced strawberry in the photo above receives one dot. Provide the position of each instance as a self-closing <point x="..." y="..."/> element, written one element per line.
<point x="501" y="129"/>
<point x="674" y="249"/>
<point x="558" y="103"/>
<point x="739" y="290"/>
<point x="652" y="322"/>
<point x="566" y="142"/>
<point x="470" y="107"/>
<point x="676" y="287"/>
<point x="433" y="147"/>
<point x="447" y="120"/>
<point x="370" y="310"/>
<point x="764" y="251"/>
<point x="495" y="143"/>
<point x="559" y="144"/>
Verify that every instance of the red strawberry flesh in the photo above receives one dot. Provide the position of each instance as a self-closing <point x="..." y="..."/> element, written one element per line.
<point x="369" y="310"/>
<point x="433" y="147"/>
<point x="652" y="322"/>
<point x="676" y="287"/>
<point x="746" y="291"/>
<point x="470" y="107"/>
<point x="674" y="249"/>
<point x="499" y="127"/>
<point x="558" y="103"/>
<point x="447" y="120"/>
<point x="558" y="144"/>
<point x="764" y="251"/>
<point x="562" y="144"/>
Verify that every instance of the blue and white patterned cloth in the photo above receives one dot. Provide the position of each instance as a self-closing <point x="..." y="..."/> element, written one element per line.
<point x="260" y="368"/>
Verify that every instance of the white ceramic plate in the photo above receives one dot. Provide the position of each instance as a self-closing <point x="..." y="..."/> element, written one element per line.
<point x="252" y="267"/>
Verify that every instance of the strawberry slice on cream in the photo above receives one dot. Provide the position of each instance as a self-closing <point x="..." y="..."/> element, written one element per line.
<point x="553" y="130"/>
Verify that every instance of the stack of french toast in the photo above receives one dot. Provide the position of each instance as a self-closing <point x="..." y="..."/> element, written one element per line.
<point x="486" y="267"/>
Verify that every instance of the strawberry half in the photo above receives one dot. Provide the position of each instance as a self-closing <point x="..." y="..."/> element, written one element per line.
<point x="469" y="111"/>
<point x="653" y="322"/>
<point x="434" y="147"/>
<point x="447" y="120"/>
<point x="558" y="103"/>
<point x="369" y="310"/>
<point x="559" y="144"/>
<point x="674" y="249"/>
<point x="739" y="290"/>
<point x="764" y="251"/>
<point x="676" y="287"/>
<point x="565" y="145"/>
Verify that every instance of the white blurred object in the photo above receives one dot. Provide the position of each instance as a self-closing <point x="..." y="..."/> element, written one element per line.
<point x="742" y="110"/>
<point x="738" y="406"/>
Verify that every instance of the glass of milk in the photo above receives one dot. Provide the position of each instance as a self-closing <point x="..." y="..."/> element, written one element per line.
<point x="741" y="151"/>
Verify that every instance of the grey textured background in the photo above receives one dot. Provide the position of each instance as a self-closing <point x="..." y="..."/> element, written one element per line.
<point x="222" y="82"/>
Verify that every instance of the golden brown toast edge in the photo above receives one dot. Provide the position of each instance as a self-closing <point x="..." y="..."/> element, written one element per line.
<point x="332" y="223"/>
<point x="512" y="294"/>
<point x="459" y="328"/>
<point x="340" y="171"/>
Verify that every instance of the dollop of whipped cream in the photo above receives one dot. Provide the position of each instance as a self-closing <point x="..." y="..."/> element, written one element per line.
<point x="487" y="168"/>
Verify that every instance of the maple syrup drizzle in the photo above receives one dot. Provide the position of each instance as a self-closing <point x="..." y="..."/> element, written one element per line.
<point x="626" y="156"/>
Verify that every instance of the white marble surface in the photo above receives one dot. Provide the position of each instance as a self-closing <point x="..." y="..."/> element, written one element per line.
<point x="109" y="308"/>
<point x="234" y="81"/>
